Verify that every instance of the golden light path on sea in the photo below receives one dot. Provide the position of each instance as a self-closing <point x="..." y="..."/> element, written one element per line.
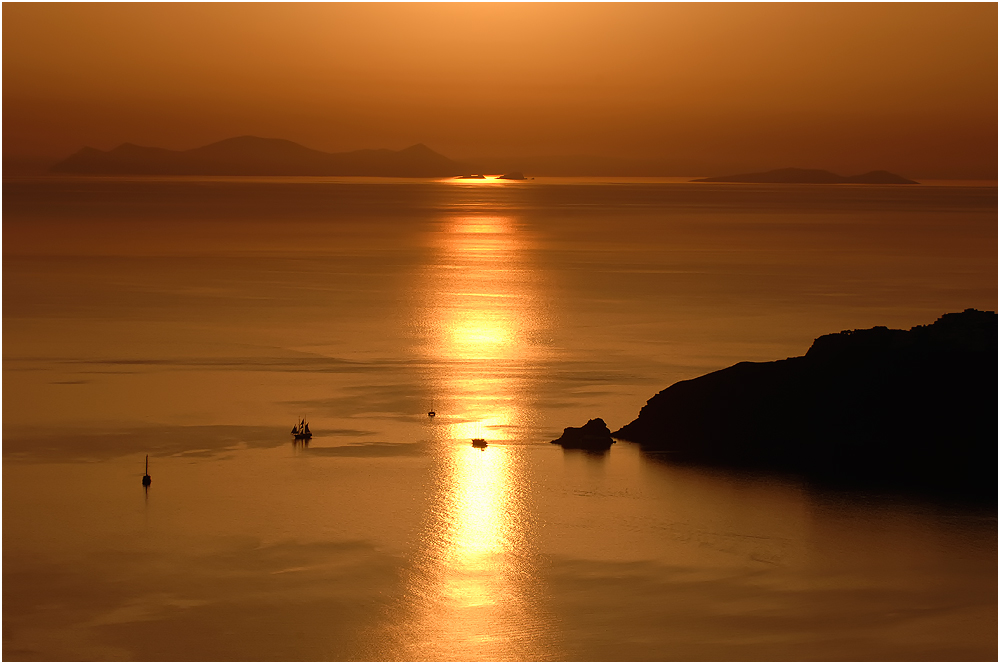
<point x="470" y="597"/>
<point x="482" y="324"/>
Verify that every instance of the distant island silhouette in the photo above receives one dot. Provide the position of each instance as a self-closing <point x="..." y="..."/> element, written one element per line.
<point x="811" y="176"/>
<point x="251" y="155"/>
<point x="913" y="410"/>
<point x="515" y="175"/>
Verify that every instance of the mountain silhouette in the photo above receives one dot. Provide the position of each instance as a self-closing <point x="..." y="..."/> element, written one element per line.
<point x="251" y="155"/>
<point x="811" y="176"/>
<point x="914" y="410"/>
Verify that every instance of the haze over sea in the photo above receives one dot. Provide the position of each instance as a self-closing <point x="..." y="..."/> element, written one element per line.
<point x="196" y="319"/>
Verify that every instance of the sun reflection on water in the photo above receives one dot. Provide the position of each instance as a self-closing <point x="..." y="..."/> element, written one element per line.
<point x="479" y="324"/>
<point x="478" y="527"/>
<point x="472" y="596"/>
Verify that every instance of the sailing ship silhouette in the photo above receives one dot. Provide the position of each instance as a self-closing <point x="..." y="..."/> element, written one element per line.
<point x="300" y="431"/>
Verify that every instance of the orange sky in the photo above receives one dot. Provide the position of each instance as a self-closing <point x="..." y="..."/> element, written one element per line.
<point x="849" y="87"/>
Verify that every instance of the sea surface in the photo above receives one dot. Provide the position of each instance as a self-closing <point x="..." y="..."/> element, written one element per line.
<point x="195" y="320"/>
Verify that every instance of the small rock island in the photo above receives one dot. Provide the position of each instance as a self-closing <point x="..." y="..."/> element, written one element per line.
<point x="811" y="176"/>
<point x="914" y="410"/>
<point x="594" y="436"/>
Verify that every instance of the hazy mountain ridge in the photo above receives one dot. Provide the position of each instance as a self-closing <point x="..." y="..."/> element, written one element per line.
<point x="811" y="176"/>
<point x="912" y="409"/>
<point x="251" y="155"/>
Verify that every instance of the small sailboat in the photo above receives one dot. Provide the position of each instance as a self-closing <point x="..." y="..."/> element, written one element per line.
<point x="146" y="479"/>
<point x="301" y="430"/>
<point x="431" y="412"/>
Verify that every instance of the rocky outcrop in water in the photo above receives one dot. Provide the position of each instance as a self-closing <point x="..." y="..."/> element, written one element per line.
<point x="913" y="409"/>
<point x="594" y="435"/>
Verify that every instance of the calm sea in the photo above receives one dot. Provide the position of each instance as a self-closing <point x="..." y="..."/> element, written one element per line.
<point x="196" y="320"/>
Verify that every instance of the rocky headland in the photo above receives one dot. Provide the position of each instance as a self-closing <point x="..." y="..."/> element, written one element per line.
<point x="903" y="409"/>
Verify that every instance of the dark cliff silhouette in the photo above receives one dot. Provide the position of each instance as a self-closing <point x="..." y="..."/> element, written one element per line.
<point x="250" y="155"/>
<point x="594" y="436"/>
<point x="914" y="410"/>
<point x="811" y="176"/>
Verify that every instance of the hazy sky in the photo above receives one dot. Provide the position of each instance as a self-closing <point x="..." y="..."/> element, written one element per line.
<point x="849" y="87"/>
